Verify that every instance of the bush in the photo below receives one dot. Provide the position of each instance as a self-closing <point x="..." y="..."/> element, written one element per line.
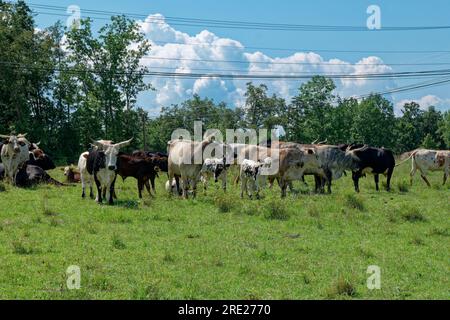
<point x="354" y="202"/>
<point x="223" y="204"/>
<point x="276" y="211"/>
<point x="118" y="243"/>
<point x="403" y="186"/>
<point x="342" y="287"/>
<point x="413" y="215"/>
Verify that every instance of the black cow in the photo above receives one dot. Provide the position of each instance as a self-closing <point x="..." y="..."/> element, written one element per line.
<point x="375" y="161"/>
<point x="159" y="159"/>
<point x="40" y="159"/>
<point x="30" y="175"/>
<point x="142" y="169"/>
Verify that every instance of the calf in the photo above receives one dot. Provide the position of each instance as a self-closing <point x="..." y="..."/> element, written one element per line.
<point x="251" y="178"/>
<point x="14" y="154"/>
<point x="142" y="169"/>
<point x="429" y="160"/>
<point x="372" y="160"/>
<point x="160" y="160"/>
<point x="102" y="165"/>
<point x="85" y="177"/>
<point x="72" y="175"/>
<point x="216" y="168"/>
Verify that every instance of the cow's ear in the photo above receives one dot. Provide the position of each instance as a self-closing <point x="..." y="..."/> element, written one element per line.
<point x="85" y="156"/>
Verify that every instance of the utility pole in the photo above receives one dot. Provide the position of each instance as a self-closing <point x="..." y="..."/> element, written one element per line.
<point x="144" y="135"/>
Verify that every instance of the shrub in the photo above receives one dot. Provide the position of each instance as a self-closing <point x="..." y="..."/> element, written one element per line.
<point x="223" y="204"/>
<point x="276" y="210"/>
<point x="342" y="287"/>
<point x="413" y="215"/>
<point x="354" y="202"/>
<point x="118" y="243"/>
<point x="403" y="186"/>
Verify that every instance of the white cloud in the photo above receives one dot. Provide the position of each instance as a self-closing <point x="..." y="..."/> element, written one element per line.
<point x="425" y="102"/>
<point x="196" y="54"/>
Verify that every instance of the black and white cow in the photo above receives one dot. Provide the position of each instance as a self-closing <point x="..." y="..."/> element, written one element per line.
<point x="371" y="160"/>
<point x="214" y="168"/>
<point x="102" y="165"/>
<point x="251" y="178"/>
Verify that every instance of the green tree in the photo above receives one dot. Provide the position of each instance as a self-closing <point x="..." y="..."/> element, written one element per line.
<point x="310" y="112"/>
<point x="374" y="122"/>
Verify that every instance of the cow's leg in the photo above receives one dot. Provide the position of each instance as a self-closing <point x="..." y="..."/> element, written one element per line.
<point x="389" y="177"/>
<point x="147" y="186"/>
<point x="329" y="179"/>
<point x="185" y="187"/>
<point x="445" y="177"/>
<point x="243" y="187"/>
<point x="224" y="182"/>
<point x="194" y="188"/>
<point x="99" y="189"/>
<point x="83" y="187"/>
<point x="424" y="177"/>
<point x="140" y="186"/>
<point x="284" y="185"/>
<point x="412" y="173"/>
<point x="377" y="180"/>
<point x="152" y="181"/>
<point x="355" y="177"/>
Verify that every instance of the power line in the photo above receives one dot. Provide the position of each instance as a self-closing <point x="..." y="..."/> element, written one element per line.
<point x="230" y="24"/>
<point x="362" y="76"/>
<point x="304" y="49"/>
<point x="295" y="63"/>
<point x="412" y="87"/>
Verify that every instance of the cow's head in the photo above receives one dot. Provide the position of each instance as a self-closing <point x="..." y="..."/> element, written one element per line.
<point x="40" y="159"/>
<point x="14" y="143"/>
<point x="111" y="151"/>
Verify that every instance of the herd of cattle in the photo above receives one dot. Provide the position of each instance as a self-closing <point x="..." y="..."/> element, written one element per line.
<point x="24" y="164"/>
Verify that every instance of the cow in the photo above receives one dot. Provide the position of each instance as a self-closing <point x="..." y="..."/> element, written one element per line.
<point x="72" y="174"/>
<point x="102" y="165"/>
<point x="37" y="157"/>
<point x="142" y="169"/>
<point x="333" y="162"/>
<point x="214" y="168"/>
<point x="372" y="160"/>
<point x="429" y="160"/>
<point x="251" y="176"/>
<point x="85" y="177"/>
<point x="160" y="160"/>
<point x="171" y="188"/>
<point x="293" y="163"/>
<point x="30" y="175"/>
<point x="14" y="154"/>
<point x="186" y="160"/>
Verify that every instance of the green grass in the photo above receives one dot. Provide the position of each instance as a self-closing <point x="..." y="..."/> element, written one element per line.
<point x="221" y="247"/>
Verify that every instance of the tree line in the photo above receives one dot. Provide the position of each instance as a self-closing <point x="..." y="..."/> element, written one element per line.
<point x="66" y="86"/>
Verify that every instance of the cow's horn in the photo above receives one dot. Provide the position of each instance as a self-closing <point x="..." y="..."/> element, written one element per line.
<point x="22" y="135"/>
<point x="3" y="136"/>
<point x="124" y="143"/>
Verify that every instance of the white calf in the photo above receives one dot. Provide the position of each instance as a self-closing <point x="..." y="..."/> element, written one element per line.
<point x="430" y="160"/>
<point x="14" y="153"/>
<point x="86" y="178"/>
<point x="251" y="178"/>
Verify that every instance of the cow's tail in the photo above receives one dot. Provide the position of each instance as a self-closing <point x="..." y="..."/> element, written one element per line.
<point x="56" y="183"/>
<point x="409" y="154"/>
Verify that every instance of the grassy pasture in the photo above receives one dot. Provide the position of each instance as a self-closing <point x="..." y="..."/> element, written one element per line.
<point x="221" y="247"/>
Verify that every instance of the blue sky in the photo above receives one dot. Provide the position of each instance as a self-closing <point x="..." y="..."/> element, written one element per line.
<point x="318" y="12"/>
